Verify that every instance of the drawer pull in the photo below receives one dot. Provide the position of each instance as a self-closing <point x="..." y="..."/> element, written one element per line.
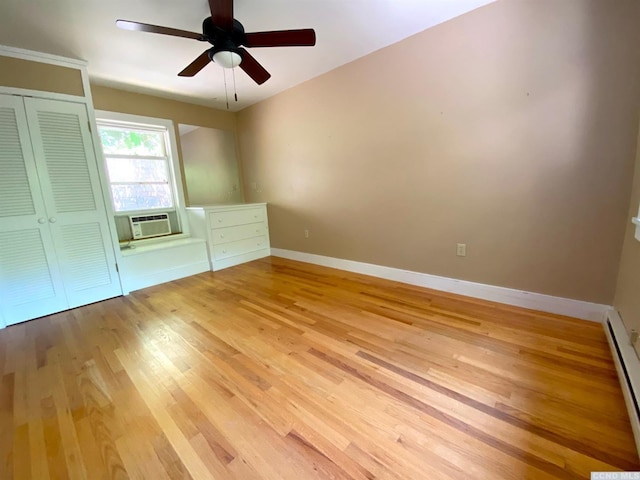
<point x="222" y="235"/>
<point x="224" y="251"/>
<point x="219" y="220"/>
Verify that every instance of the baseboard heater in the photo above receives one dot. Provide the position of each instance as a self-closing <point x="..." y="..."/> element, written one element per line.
<point x="628" y="367"/>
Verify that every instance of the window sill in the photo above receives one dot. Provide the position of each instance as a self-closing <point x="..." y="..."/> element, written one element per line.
<point x="138" y="249"/>
<point x="124" y="245"/>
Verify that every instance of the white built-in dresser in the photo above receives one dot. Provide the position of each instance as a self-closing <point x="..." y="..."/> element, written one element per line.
<point x="234" y="233"/>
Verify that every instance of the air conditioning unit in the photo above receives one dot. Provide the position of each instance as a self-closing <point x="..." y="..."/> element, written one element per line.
<point x="146" y="226"/>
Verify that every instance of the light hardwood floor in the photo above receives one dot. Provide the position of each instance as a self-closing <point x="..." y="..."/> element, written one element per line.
<point x="283" y="370"/>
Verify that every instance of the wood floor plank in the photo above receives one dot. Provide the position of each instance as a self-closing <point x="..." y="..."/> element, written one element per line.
<point x="171" y="443"/>
<point x="277" y="369"/>
<point x="7" y="388"/>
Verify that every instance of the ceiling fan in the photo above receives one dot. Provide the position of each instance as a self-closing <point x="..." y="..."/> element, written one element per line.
<point x="227" y="36"/>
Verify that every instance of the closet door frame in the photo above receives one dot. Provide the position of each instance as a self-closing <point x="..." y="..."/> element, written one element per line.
<point x="56" y="299"/>
<point x="87" y="101"/>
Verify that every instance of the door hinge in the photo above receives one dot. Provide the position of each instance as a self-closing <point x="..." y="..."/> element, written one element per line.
<point x="89" y="123"/>
<point x="117" y="269"/>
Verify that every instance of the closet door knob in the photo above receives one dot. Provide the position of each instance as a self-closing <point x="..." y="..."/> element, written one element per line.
<point x="52" y="220"/>
<point x="42" y="220"/>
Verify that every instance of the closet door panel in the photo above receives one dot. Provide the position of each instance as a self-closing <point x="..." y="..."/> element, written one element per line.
<point x="17" y="179"/>
<point x="58" y="137"/>
<point x="70" y="183"/>
<point x="30" y="281"/>
<point x="30" y="286"/>
<point x="87" y="262"/>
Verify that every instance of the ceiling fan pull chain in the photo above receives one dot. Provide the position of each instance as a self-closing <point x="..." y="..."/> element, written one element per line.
<point x="226" y="94"/>
<point x="235" y="92"/>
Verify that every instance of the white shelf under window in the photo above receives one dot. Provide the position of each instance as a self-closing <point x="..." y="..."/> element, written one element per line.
<point x="636" y="222"/>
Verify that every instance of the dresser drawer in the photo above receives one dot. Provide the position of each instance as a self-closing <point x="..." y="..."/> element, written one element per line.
<point x="230" y="218"/>
<point x="239" y="232"/>
<point x="235" y="234"/>
<point x="239" y="247"/>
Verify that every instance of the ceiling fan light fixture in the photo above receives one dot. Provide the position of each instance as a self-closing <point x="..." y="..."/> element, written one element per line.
<point x="227" y="58"/>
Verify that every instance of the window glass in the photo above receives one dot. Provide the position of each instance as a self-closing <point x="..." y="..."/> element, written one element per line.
<point x="132" y="197"/>
<point x="138" y="167"/>
<point x="137" y="170"/>
<point x="122" y="141"/>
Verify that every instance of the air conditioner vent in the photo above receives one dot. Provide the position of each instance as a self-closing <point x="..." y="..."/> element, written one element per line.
<point x="146" y="226"/>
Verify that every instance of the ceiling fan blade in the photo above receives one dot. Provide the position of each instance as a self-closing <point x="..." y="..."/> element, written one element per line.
<point x="252" y="68"/>
<point x="222" y="13"/>
<point x="283" y="38"/>
<point x="145" y="27"/>
<point x="195" y="66"/>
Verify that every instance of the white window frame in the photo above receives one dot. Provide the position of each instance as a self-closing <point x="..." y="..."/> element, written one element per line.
<point x="125" y="119"/>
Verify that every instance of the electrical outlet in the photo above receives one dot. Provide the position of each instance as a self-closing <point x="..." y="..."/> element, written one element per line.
<point x="306" y="234"/>
<point x="461" y="250"/>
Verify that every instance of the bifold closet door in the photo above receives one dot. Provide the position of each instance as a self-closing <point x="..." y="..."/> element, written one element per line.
<point x="70" y="184"/>
<point x="30" y="280"/>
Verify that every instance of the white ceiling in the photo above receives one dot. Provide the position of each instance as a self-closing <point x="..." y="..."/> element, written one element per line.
<point x="137" y="61"/>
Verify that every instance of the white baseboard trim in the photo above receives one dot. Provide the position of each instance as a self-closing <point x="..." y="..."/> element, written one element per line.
<point x="627" y="366"/>
<point x="238" y="259"/>
<point x="139" y="282"/>
<point x="520" y="298"/>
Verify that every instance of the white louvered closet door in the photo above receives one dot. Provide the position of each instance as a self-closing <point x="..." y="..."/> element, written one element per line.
<point x="70" y="185"/>
<point x="30" y="281"/>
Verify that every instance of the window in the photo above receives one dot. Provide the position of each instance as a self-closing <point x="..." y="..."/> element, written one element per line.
<point x="138" y="166"/>
<point x="141" y="171"/>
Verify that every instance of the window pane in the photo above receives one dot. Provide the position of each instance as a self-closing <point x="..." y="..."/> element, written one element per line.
<point x="137" y="170"/>
<point x="120" y="141"/>
<point x="141" y="197"/>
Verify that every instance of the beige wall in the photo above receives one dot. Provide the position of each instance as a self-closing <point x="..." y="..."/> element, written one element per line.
<point x="627" y="299"/>
<point x="114" y="100"/>
<point x="20" y="73"/>
<point x="210" y="166"/>
<point x="511" y="129"/>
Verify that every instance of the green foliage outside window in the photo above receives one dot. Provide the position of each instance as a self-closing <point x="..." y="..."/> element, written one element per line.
<point x="132" y="142"/>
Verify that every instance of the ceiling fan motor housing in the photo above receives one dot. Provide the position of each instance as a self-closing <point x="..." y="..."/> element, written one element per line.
<point x="222" y="39"/>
